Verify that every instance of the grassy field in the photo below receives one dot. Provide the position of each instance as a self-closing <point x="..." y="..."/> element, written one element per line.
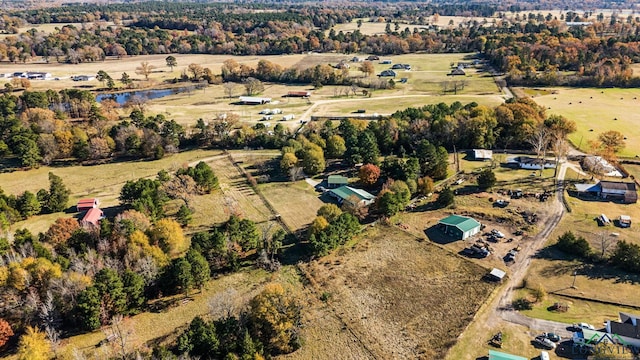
<point x="297" y="203"/>
<point x="105" y="181"/>
<point x="101" y="181"/>
<point x="400" y="297"/>
<point x="579" y="311"/>
<point x="595" y="111"/>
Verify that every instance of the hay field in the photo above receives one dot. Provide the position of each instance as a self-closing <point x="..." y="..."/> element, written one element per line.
<point x="595" y="111"/>
<point x="402" y="298"/>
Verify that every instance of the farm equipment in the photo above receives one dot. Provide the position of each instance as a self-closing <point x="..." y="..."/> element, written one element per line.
<point x="496" y="340"/>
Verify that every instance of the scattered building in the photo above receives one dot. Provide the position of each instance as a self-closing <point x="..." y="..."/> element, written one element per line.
<point x="498" y="355"/>
<point x="305" y="94"/>
<point x="579" y="23"/>
<point x="92" y="218"/>
<point x="599" y="165"/>
<point x="459" y="71"/>
<point x="86" y="204"/>
<point x="625" y="332"/>
<point x="459" y="227"/>
<point x="288" y="117"/>
<point x="496" y="275"/>
<point x="529" y="163"/>
<point x="335" y="181"/>
<point x="38" y="75"/>
<point x="252" y="100"/>
<point x="83" y="77"/>
<point x="482" y="154"/>
<point x="349" y="194"/>
<point x="610" y="190"/>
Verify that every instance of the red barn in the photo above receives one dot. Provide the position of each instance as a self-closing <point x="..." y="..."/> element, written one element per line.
<point x="92" y="217"/>
<point x="299" y="94"/>
<point x="86" y="204"/>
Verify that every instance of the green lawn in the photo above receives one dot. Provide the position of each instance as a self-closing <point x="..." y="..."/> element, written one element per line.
<point x="595" y="111"/>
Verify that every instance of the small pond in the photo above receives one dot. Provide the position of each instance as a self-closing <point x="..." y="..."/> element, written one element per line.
<point x="123" y="97"/>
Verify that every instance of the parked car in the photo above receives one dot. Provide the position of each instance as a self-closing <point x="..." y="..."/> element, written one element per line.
<point x="544" y="355"/>
<point x="545" y="343"/>
<point x="553" y="337"/>
<point x="497" y="233"/>
<point x="581" y="326"/>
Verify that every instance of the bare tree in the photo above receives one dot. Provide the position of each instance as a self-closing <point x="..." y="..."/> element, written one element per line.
<point x="229" y="88"/>
<point x="253" y="86"/>
<point x="606" y="241"/>
<point x="145" y="69"/>
<point x="120" y="332"/>
<point x="539" y="140"/>
<point x="224" y="304"/>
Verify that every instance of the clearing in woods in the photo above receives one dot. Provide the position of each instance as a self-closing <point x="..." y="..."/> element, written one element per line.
<point x="399" y="296"/>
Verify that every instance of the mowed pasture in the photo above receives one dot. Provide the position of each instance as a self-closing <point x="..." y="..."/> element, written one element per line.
<point x="596" y="111"/>
<point x="105" y="182"/>
<point x="400" y="296"/>
<point x="297" y="203"/>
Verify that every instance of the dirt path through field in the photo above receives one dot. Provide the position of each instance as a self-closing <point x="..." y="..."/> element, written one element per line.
<point x="500" y="308"/>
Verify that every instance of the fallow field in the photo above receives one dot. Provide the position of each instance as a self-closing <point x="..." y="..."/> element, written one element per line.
<point x="400" y="296"/>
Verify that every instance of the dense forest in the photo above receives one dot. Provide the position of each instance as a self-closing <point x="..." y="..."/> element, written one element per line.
<point x="533" y="49"/>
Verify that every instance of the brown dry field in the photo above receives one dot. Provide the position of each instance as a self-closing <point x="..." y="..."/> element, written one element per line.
<point x="401" y="297"/>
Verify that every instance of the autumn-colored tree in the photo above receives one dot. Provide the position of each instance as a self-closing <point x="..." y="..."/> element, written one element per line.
<point x="196" y="71"/>
<point x="288" y="161"/>
<point x="329" y="211"/>
<point x="425" y="185"/>
<point x="5" y="332"/>
<point x="34" y="345"/>
<point x="612" y="141"/>
<point x="276" y="316"/>
<point x="335" y="146"/>
<point x="367" y="68"/>
<point x="61" y="230"/>
<point x="167" y="233"/>
<point x="369" y="174"/>
<point x="318" y="224"/>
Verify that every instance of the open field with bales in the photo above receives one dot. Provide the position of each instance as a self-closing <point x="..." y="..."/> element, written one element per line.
<point x="400" y="296"/>
<point x="596" y="111"/>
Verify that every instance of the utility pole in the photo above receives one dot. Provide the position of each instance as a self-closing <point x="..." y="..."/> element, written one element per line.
<point x="575" y="273"/>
